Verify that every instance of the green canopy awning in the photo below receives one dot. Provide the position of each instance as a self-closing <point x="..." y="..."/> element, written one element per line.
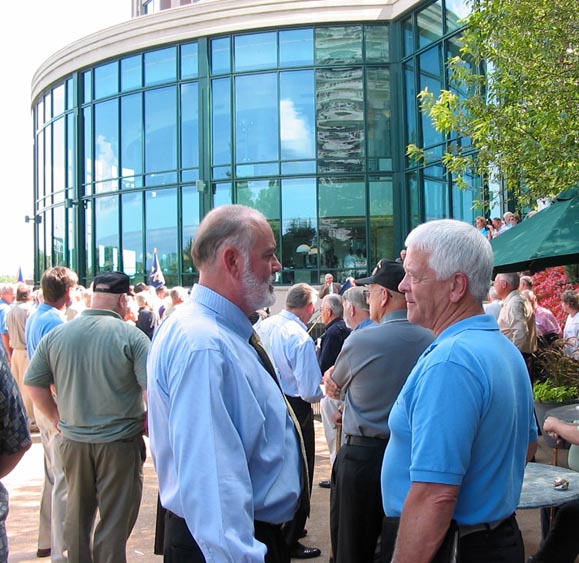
<point x="548" y="238"/>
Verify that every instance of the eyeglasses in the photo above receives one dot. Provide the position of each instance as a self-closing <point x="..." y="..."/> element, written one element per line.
<point x="368" y="292"/>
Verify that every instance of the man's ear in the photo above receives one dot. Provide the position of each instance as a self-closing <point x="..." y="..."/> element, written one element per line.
<point x="233" y="261"/>
<point x="458" y="287"/>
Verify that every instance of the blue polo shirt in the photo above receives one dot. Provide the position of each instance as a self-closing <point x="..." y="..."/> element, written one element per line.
<point x="464" y="417"/>
<point x="40" y="323"/>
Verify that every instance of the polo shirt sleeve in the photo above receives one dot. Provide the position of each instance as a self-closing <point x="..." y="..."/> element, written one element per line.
<point x="140" y="347"/>
<point x="38" y="373"/>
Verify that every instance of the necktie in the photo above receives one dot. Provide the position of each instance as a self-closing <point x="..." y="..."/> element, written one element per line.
<point x="255" y="341"/>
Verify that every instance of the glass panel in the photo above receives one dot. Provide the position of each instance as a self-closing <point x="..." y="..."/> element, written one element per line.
<point x="415" y="199"/>
<point x="58" y="240"/>
<point x="256" y="118"/>
<point x="340" y="119"/>
<point x="160" y="66"/>
<point x="132" y="234"/>
<point x="48" y="164"/>
<point x="299" y="167"/>
<point x="456" y="10"/>
<point x="255" y="52"/>
<point x="221" y="121"/>
<point x="378" y="121"/>
<point x="87" y="86"/>
<point x="222" y="172"/>
<point x="89" y="240"/>
<point x="106" y="140"/>
<point x="106" y="80"/>
<point x="87" y="148"/>
<point x="435" y="193"/>
<point x="58" y="164"/>
<point x="431" y="77"/>
<point x="71" y="230"/>
<point x="222" y="194"/>
<point x="49" y="244"/>
<point x="161" y="229"/>
<point x="299" y="228"/>
<point x="262" y="195"/>
<point x="339" y="44"/>
<point x="188" y="176"/>
<point x="40" y="114"/>
<point x="132" y="135"/>
<point x="107" y="233"/>
<point x="161" y="130"/>
<point x="189" y="61"/>
<point x="377" y="43"/>
<point x="408" y="33"/>
<point x="464" y="201"/>
<point x="40" y="163"/>
<point x="69" y="94"/>
<point x="296" y="47"/>
<point x="42" y="244"/>
<point x="190" y="219"/>
<point x="342" y="212"/>
<point x="429" y="23"/>
<point x="131" y="73"/>
<point x="381" y="220"/>
<point x="248" y="170"/>
<point x="189" y="125"/>
<point x="297" y="115"/>
<point x="58" y="99"/>
<point x="220" y="56"/>
<point x="48" y="106"/>
<point x="70" y="150"/>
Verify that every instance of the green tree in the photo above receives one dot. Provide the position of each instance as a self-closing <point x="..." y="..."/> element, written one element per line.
<point x="520" y="118"/>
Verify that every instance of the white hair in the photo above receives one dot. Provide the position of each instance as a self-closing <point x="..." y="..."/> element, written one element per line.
<point x="455" y="246"/>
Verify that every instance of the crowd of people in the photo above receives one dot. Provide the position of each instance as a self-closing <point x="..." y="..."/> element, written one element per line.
<point x="405" y="371"/>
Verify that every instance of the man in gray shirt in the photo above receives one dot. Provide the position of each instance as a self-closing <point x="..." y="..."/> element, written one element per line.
<point x="369" y="373"/>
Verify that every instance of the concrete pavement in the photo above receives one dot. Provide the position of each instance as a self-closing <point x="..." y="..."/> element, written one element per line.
<point x="25" y="484"/>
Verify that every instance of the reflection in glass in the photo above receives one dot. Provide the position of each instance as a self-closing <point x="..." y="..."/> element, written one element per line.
<point x="131" y="73"/>
<point x="87" y="86"/>
<point x="339" y="45"/>
<point x="296" y="47"/>
<point x="160" y="66"/>
<point x="408" y="35"/>
<point x="70" y="150"/>
<point x="429" y="22"/>
<point x="88" y="239"/>
<point x="189" y="61"/>
<point x="48" y="164"/>
<point x="42" y="265"/>
<point x="221" y="121"/>
<point x="190" y="220"/>
<point x="106" y="80"/>
<point x="342" y="223"/>
<point x="132" y="135"/>
<point x="377" y="43"/>
<point x="297" y="115"/>
<point x="161" y="130"/>
<point x="47" y="219"/>
<point x="48" y="106"/>
<point x="435" y="193"/>
<point x="132" y="234"/>
<point x="464" y="201"/>
<point x="58" y="164"/>
<point x="72" y="255"/>
<point x="340" y="119"/>
<point x="222" y="194"/>
<point x="257" y="51"/>
<point x="40" y="113"/>
<point x="106" y="140"/>
<point x="87" y="148"/>
<point x="382" y="225"/>
<point x="189" y="126"/>
<point x="415" y="194"/>
<point x="161" y="229"/>
<point x="431" y="77"/>
<point x="40" y="163"/>
<point x="256" y="118"/>
<point x="220" y="56"/>
<point x="58" y="99"/>
<point x="58" y="236"/>
<point x="456" y="10"/>
<point x="107" y="233"/>
<point x="378" y="118"/>
<point x="262" y="195"/>
<point x="69" y="94"/>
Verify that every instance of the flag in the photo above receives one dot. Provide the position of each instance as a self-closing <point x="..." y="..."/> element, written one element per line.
<point x="20" y="276"/>
<point x="156" y="277"/>
<point x="346" y="286"/>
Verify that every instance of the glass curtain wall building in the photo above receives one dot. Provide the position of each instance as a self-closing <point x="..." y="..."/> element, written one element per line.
<point x="137" y="140"/>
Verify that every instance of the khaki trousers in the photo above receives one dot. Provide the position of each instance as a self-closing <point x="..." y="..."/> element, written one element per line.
<point x="18" y="365"/>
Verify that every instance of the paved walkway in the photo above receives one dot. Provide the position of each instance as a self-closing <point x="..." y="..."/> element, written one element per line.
<point x="25" y="484"/>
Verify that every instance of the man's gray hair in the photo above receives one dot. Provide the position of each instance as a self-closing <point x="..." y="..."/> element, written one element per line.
<point x="300" y="295"/>
<point x="334" y="303"/>
<point x="455" y="246"/>
<point x="357" y="297"/>
<point x="512" y="278"/>
<point x="233" y="225"/>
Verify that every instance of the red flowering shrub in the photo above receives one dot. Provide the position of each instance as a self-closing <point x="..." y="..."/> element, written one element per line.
<point x="548" y="286"/>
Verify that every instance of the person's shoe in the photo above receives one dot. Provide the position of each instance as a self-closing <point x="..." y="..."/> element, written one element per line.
<point x="303" y="534"/>
<point x="300" y="551"/>
<point x="325" y="484"/>
<point x="43" y="552"/>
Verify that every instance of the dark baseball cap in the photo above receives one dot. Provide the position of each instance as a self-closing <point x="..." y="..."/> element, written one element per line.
<point x="112" y="282"/>
<point x="387" y="273"/>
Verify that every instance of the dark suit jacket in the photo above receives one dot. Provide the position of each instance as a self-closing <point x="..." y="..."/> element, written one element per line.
<point x="332" y="341"/>
<point x="326" y="289"/>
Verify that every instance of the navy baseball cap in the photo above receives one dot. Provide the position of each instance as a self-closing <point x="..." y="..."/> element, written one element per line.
<point x="387" y="273"/>
<point x="112" y="282"/>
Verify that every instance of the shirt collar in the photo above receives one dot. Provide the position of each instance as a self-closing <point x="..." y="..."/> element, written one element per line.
<point x="292" y="317"/>
<point x="394" y="316"/>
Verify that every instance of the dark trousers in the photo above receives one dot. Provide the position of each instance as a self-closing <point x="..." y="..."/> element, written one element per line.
<point x="356" y="511"/>
<point x="303" y="411"/>
<point x="562" y="543"/>
<point x="504" y="544"/>
<point x="181" y="547"/>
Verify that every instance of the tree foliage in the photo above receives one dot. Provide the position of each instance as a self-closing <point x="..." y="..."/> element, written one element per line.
<point x="520" y="117"/>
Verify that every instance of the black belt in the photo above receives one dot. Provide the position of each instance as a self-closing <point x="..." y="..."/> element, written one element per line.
<point x="466" y="530"/>
<point x="366" y="441"/>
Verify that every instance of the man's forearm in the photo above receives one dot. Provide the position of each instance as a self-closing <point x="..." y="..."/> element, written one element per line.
<point x="425" y="519"/>
<point x="43" y="400"/>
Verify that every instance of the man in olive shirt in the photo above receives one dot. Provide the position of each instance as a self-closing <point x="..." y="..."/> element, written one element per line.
<point x="98" y="365"/>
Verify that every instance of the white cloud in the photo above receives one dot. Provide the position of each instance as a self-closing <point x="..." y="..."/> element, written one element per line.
<point x="296" y="135"/>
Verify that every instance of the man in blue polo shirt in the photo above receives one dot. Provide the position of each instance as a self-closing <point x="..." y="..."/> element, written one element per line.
<point x="461" y="431"/>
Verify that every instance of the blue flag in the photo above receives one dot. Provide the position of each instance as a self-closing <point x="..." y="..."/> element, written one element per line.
<point x="156" y="277"/>
<point x="20" y="276"/>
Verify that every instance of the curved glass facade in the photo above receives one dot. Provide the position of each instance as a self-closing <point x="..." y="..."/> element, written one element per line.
<point x="307" y="124"/>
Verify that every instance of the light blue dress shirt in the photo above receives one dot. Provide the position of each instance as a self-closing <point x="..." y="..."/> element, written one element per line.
<point x="225" y="449"/>
<point x="293" y="354"/>
<point x="41" y="322"/>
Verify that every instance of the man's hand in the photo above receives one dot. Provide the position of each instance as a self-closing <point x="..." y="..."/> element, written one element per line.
<point x="332" y="390"/>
